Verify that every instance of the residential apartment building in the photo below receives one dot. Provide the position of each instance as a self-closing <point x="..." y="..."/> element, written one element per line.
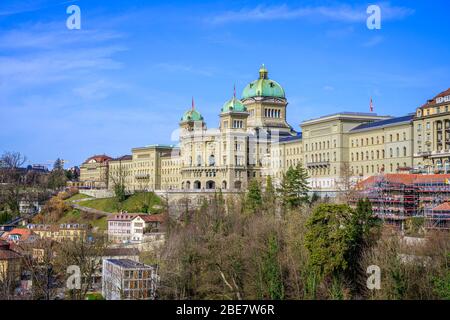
<point x="125" y="279"/>
<point x="10" y="263"/>
<point x="131" y="228"/>
<point x="61" y="232"/>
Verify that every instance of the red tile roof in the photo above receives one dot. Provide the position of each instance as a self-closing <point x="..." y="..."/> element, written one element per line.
<point x="99" y="158"/>
<point x="23" y="233"/>
<point x="153" y="217"/>
<point x="6" y="253"/>
<point x="405" y="179"/>
<point x="123" y="217"/>
<point x="432" y="101"/>
<point x="443" y="207"/>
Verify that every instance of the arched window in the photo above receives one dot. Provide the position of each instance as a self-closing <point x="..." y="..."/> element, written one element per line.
<point x="212" y="161"/>
<point x="404" y="151"/>
<point x="199" y="160"/>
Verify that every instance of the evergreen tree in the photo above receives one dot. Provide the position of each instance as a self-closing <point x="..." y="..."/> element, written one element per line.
<point x="269" y="196"/>
<point x="362" y="225"/>
<point x="314" y="198"/>
<point x="294" y="187"/>
<point x="328" y="240"/>
<point x="58" y="165"/>
<point x="253" y="199"/>
<point x="271" y="271"/>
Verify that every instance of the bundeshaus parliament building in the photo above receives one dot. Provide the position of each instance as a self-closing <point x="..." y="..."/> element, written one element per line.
<point x="254" y="140"/>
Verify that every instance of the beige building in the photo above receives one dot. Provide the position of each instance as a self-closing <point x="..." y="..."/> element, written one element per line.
<point x="144" y="168"/>
<point x="326" y="146"/>
<point x="94" y="172"/>
<point x="432" y="135"/>
<point x="382" y="146"/>
<point x="254" y="140"/>
<point x="61" y="232"/>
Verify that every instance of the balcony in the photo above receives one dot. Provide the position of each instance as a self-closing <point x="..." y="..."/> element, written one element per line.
<point x="440" y="153"/>
<point x="423" y="154"/>
<point x="142" y="176"/>
<point x="320" y="164"/>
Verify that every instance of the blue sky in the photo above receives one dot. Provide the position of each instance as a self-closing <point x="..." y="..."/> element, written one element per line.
<point x="127" y="76"/>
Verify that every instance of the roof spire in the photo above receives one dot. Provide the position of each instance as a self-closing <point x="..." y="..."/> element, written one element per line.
<point x="193" y="103"/>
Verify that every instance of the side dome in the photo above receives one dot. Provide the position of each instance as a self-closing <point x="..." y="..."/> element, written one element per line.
<point x="192" y="115"/>
<point x="233" y="105"/>
<point x="263" y="87"/>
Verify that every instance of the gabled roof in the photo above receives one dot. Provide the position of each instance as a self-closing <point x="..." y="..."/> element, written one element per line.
<point x="98" y="158"/>
<point x="6" y="253"/>
<point x="383" y="123"/>
<point x="123" y="217"/>
<point x="153" y="217"/>
<point x="24" y="234"/>
<point x="443" y="207"/>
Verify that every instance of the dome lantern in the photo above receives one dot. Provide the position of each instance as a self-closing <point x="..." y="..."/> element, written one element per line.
<point x="263" y="72"/>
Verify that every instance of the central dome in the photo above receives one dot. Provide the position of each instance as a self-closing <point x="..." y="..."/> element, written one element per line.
<point x="263" y="87"/>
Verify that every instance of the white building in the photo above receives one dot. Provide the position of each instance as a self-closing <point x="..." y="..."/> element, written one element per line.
<point x="130" y="228"/>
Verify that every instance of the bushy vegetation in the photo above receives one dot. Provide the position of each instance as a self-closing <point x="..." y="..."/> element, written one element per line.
<point x="239" y="249"/>
<point x="57" y="210"/>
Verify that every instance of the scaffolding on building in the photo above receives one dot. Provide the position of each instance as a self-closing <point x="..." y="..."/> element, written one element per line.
<point x="398" y="197"/>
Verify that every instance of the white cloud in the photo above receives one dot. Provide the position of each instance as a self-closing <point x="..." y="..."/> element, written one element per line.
<point x="36" y="56"/>
<point x="341" y="13"/>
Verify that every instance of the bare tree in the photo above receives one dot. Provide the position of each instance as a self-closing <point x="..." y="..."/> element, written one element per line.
<point x="346" y="184"/>
<point x="85" y="254"/>
<point x="12" y="180"/>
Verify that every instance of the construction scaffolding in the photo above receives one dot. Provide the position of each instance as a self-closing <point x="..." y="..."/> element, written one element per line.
<point x="398" y="197"/>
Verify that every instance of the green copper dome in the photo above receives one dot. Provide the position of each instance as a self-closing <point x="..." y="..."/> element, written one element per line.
<point x="192" y="115"/>
<point x="263" y="87"/>
<point x="234" y="105"/>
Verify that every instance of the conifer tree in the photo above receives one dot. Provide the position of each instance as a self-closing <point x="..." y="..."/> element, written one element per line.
<point x="294" y="187"/>
<point x="253" y="199"/>
<point x="269" y="196"/>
